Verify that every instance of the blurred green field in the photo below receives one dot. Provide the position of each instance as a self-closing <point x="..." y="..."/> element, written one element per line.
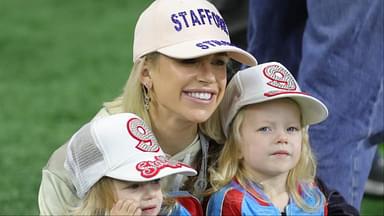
<point x="59" y="60"/>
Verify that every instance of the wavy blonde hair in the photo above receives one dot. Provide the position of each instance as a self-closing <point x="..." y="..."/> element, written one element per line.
<point x="99" y="200"/>
<point x="132" y="98"/>
<point x="229" y="166"/>
<point x="102" y="196"/>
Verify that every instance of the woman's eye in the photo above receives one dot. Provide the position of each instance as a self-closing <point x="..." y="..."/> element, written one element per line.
<point x="189" y="61"/>
<point x="220" y="62"/>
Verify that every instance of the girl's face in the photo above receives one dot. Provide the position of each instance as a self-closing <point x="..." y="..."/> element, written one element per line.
<point x="271" y="138"/>
<point x="189" y="89"/>
<point x="147" y="195"/>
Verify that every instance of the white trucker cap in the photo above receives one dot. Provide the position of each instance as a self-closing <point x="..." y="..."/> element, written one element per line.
<point x="119" y="146"/>
<point x="267" y="82"/>
<point x="185" y="29"/>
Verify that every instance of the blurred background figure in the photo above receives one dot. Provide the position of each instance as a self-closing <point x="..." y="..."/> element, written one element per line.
<point x="235" y="14"/>
<point x="375" y="183"/>
<point x="336" y="50"/>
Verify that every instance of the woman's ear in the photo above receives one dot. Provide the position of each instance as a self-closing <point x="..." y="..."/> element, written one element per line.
<point x="146" y="78"/>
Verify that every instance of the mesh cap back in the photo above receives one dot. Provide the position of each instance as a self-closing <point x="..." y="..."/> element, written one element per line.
<point x="83" y="157"/>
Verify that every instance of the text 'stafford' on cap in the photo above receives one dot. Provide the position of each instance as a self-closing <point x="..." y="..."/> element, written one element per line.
<point x="185" y="29"/>
<point x="267" y="82"/>
<point x="119" y="146"/>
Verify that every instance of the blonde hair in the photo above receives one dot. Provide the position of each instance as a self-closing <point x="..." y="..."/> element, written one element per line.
<point x="132" y="98"/>
<point x="229" y="166"/>
<point x="102" y="196"/>
<point x="99" y="200"/>
<point x="212" y="127"/>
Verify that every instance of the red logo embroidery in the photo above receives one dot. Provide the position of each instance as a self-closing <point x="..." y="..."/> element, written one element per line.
<point x="140" y="132"/>
<point x="280" y="78"/>
<point x="149" y="169"/>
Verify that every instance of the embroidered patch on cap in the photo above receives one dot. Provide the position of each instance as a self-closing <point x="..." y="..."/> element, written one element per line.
<point x="149" y="169"/>
<point x="280" y="78"/>
<point x="140" y="132"/>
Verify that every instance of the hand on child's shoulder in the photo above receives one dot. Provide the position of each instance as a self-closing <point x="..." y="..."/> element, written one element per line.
<point x="126" y="207"/>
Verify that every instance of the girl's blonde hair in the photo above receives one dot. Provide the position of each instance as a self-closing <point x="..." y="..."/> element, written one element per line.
<point x="99" y="200"/>
<point x="229" y="166"/>
<point x="132" y="98"/>
<point x="102" y="196"/>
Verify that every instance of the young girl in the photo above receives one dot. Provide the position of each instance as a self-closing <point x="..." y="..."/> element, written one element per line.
<point x="116" y="164"/>
<point x="266" y="166"/>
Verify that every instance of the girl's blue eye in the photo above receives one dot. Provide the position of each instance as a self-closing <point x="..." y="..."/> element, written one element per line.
<point x="264" y="129"/>
<point x="292" y="129"/>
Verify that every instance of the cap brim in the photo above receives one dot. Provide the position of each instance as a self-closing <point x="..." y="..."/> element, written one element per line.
<point x="187" y="50"/>
<point x="313" y="110"/>
<point x="128" y="172"/>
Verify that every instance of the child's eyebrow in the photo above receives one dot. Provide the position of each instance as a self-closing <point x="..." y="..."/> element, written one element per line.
<point x="130" y="184"/>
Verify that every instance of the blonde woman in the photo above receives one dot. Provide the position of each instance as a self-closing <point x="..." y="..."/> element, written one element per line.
<point x="266" y="166"/>
<point x="180" y="53"/>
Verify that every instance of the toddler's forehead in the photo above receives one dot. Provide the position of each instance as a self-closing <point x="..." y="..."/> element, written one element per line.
<point x="274" y="109"/>
<point x="280" y="102"/>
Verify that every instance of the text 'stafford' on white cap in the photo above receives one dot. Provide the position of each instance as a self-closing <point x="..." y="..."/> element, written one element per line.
<point x="119" y="146"/>
<point x="185" y="29"/>
<point x="267" y="82"/>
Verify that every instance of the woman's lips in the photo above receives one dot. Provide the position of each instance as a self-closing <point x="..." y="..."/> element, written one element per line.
<point x="200" y="97"/>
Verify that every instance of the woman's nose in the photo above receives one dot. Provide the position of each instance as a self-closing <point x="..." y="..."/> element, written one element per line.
<point x="206" y="73"/>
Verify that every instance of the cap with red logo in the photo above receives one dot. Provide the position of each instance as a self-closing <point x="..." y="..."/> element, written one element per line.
<point x="119" y="146"/>
<point x="265" y="82"/>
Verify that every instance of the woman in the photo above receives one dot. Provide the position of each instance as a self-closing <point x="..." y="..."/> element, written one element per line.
<point x="180" y="52"/>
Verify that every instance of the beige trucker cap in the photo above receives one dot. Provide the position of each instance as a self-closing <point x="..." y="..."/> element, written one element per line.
<point x="185" y="29"/>
<point x="267" y="82"/>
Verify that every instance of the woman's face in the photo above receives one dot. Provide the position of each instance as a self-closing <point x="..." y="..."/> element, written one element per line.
<point x="188" y="89"/>
<point x="145" y="195"/>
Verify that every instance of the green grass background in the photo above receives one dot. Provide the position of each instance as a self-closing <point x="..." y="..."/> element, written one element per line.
<point x="59" y="60"/>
